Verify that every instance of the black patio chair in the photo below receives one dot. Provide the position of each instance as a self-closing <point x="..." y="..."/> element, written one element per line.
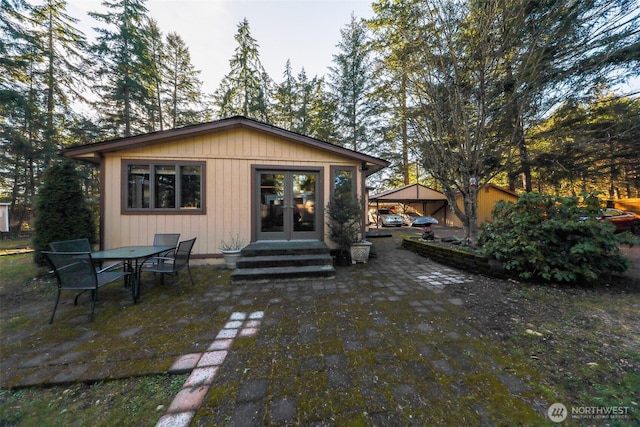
<point x="80" y="245"/>
<point x="76" y="245"/>
<point x="166" y="239"/>
<point x="75" y="271"/>
<point x="171" y="264"/>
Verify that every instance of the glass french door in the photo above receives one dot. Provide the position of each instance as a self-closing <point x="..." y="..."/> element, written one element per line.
<point x="286" y="204"/>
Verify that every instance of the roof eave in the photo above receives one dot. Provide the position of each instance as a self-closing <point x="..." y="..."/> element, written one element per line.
<point x="94" y="151"/>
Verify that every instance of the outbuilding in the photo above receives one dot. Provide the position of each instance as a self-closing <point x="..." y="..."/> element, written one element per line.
<point x="488" y="196"/>
<point x="422" y="199"/>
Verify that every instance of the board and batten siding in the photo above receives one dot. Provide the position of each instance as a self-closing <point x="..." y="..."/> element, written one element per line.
<point x="488" y="196"/>
<point x="229" y="157"/>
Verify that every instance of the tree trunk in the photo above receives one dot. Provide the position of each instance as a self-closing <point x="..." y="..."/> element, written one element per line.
<point x="471" y="213"/>
<point x="525" y="161"/>
<point x="49" y="131"/>
<point x="468" y="215"/>
<point x="405" y="137"/>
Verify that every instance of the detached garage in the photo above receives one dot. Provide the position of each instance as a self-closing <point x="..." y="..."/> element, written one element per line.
<point x="425" y="200"/>
<point x="430" y="202"/>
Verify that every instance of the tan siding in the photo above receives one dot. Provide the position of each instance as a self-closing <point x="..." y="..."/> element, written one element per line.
<point x="229" y="157"/>
<point x="487" y="199"/>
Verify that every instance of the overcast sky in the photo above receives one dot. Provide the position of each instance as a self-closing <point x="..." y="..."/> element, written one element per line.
<point x="304" y="31"/>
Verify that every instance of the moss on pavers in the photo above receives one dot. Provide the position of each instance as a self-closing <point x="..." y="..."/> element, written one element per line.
<point x="401" y="382"/>
<point x="349" y="351"/>
<point x="142" y="338"/>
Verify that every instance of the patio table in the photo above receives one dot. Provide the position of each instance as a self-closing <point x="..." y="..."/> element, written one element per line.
<point x="132" y="257"/>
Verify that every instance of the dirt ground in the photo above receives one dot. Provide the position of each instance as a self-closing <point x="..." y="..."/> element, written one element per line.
<point x="586" y="338"/>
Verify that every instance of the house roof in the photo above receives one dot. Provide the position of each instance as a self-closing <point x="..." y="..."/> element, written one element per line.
<point x="409" y="193"/>
<point x="93" y="152"/>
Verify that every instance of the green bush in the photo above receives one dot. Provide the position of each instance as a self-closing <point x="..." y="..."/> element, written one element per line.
<point x="62" y="211"/>
<point x="547" y="237"/>
<point x="344" y="215"/>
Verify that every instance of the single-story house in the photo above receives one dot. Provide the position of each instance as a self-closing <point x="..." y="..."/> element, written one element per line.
<point x="234" y="177"/>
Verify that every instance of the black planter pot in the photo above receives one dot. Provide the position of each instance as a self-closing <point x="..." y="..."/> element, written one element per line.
<point x="343" y="259"/>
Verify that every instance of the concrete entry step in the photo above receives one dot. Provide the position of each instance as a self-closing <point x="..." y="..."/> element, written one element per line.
<point x="289" y="247"/>
<point x="294" y="259"/>
<point x="283" y="260"/>
<point x="305" y="272"/>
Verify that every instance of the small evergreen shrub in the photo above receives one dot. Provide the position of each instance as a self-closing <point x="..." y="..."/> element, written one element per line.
<point x="551" y="238"/>
<point x="62" y="211"/>
<point x="344" y="215"/>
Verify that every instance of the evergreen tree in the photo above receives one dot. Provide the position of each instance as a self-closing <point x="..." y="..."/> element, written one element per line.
<point x="588" y="147"/>
<point x="394" y="29"/>
<point x="351" y="85"/>
<point x="182" y="91"/>
<point x="18" y="51"/>
<point x="285" y="101"/>
<point x="245" y="89"/>
<point x="306" y="92"/>
<point x="62" y="212"/>
<point x="64" y="48"/>
<point x="320" y="119"/>
<point x="16" y="44"/>
<point x="552" y="51"/>
<point x="153" y="74"/>
<point x="121" y="52"/>
<point x="297" y="101"/>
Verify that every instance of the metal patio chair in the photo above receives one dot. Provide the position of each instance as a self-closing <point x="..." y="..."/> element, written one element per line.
<point x="75" y="245"/>
<point x="80" y="245"/>
<point x="171" y="264"/>
<point x="166" y="239"/>
<point x="75" y="271"/>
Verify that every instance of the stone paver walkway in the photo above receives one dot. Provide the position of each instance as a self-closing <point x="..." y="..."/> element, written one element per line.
<point x="382" y="344"/>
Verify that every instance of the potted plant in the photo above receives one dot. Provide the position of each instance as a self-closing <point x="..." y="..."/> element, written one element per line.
<point x="344" y="216"/>
<point x="231" y="249"/>
<point x="360" y="251"/>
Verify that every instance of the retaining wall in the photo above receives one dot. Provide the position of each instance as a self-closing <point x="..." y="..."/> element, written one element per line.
<point x="458" y="258"/>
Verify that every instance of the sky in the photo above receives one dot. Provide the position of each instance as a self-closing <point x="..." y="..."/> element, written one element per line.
<point x="305" y="32"/>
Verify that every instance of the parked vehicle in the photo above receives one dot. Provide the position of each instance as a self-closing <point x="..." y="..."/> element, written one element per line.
<point x="409" y="217"/>
<point x="384" y="217"/>
<point x="424" y="221"/>
<point x="622" y="220"/>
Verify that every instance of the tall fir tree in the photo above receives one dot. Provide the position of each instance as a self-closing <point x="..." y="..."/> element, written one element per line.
<point x="303" y="110"/>
<point x="182" y="88"/>
<point x="245" y="90"/>
<point x="322" y="112"/>
<point x="153" y="74"/>
<point x="285" y="100"/>
<point x="19" y="50"/>
<point x="64" y="49"/>
<point x="351" y="85"/>
<point x="121" y="53"/>
<point x="394" y="28"/>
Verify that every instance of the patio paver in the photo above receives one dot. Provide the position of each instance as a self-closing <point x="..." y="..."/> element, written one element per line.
<point x="380" y="344"/>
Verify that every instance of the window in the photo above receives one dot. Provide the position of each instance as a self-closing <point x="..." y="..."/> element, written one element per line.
<point x="343" y="182"/>
<point x="163" y="186"/>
